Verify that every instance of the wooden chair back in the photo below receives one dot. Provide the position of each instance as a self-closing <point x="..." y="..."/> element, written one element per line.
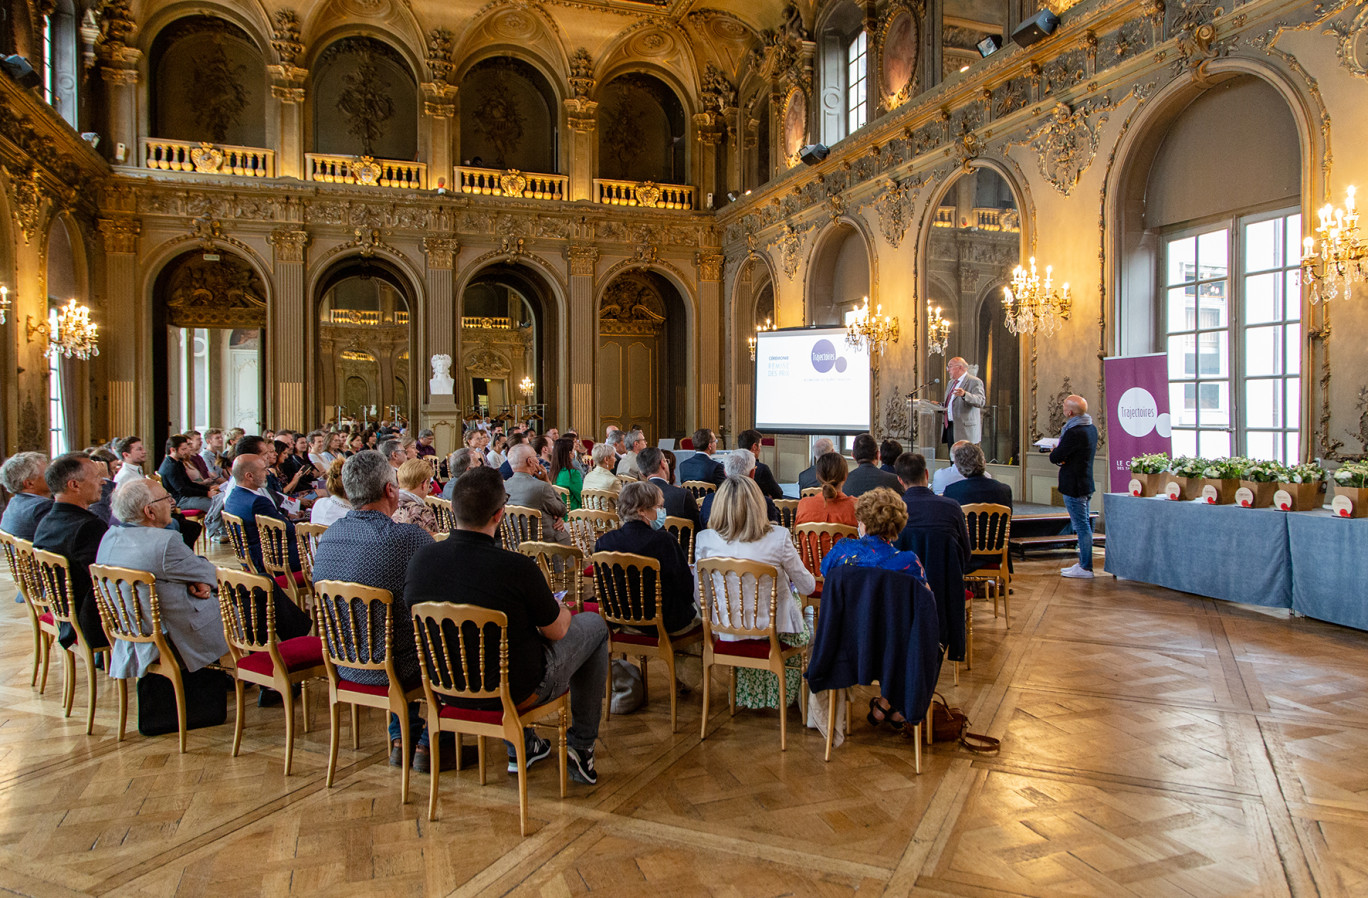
<point x="19" y="557"/>
<point x="623" y="589"/>
<point x="788" y="512"/>
<point x="520" y="523"/>
<point x="626" y="478"/>
<point x="53" y="590"/>
<point x="306" y="539"/>
<point x="119" y="594"/>
<point x="275" y="555"/>
<point x="248" y="614"/>
<point x="598" y="500"/>
<point x="586" y="526"/>
<point x="435" y="462"/>
<point x="459" y="648"/>
<point x="732" y="591"/>
<point x="357" y="626"/>
<point x="990" y="526"/>
<point x="809" y="491"/>
<point x="562" y="493"/>
<point x="815" y="540"/>
<point x="682" y="529"/>
<point x="446" y="521"/>
<point x="562" y="566"/>
<point x="237" y="535"/>
<point x="699" y="489"/>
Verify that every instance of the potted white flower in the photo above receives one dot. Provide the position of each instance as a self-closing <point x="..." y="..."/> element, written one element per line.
<point x="1149" y="473"/>
<point x="1260" y="479"/>
<point x="1301" y="488"/>
<point x="1186" y="474"/>
<point x="1220" y="480"/>
<point x="1351" y="483"/>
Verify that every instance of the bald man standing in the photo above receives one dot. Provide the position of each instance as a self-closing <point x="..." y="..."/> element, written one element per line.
<point x="964" y="396"/>
<point x="1074" y="455"/>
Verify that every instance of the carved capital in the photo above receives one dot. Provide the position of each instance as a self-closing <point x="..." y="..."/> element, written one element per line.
<point x="289" y="244"/>
<point x="118" y="75"/>
<point x="439" y="110"/>
<point x="582" y="258"/>
<point x="120" y="234"/>
<point x="581" y="114"/>
<point x="441" y="251"/>
<point x="709" y="266"/>
<point x="286" y="94"/>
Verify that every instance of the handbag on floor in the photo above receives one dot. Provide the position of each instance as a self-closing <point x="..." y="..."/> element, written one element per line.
<point x="952" y="725"/>
<point x="206" y="701"/>
<point x="629" y="693"/>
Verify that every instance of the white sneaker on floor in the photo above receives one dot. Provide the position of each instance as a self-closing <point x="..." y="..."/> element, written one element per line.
<point x="1077" y="572"/>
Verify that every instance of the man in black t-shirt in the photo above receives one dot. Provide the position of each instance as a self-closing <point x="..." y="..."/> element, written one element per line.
<point x="549" y="650"/>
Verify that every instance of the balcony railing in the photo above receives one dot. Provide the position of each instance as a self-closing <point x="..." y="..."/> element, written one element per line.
<point x="510" y="182"/>
<point x="980" y="219"/>
<point x="646" y="194"/>
<point x="366" y="317"/>
<point x="204" y="158"/>
<point x="488" y="324"/>
<point x="366" y="171"/>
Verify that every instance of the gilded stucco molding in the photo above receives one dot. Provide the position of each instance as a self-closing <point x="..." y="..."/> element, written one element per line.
<point x="1352" y="43"/>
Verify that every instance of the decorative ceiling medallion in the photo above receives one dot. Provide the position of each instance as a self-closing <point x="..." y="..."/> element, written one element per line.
<point x="651" y="43"/>
<point x="515" y="25"/>
<point x="369" y="8"/>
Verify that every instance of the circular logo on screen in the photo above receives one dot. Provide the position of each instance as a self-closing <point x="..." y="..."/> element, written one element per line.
<point x="1137" y="411"/>
<point x="824" y="357"/>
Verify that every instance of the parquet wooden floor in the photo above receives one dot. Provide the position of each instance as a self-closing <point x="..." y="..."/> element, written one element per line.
<point x="1154" y="743"/>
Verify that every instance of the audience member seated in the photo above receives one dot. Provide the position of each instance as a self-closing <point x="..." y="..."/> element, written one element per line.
<point x="642" y="509"/>
<point x="679" y="502"/>
<point x="936" y="531"/>
<point x="530" y="487"/>
<point x="415" y="482"/>
<point x="424" y="445"/>
<point x="866" y="476"/>
<point x="563" y="470"/>
<point x="333" y="506"/>
<point x="549" y="650"/>
<point x="458" y="463"/>
<point x="635" y="441"/>
<point x="739" y="529"/>
<point x="807" y="478"/>
<point x="701" y="465"/>
<point x="738" y="464"/>
<point x="177" y="480"/>
<point x="132" y="453"/>
<point x="369" y="547"/>
<point x="293" y="477"/>
<point x="70" y="530"/>
<point x="189" y="612"/>
<point x="109" y="466"/>
<point x="393" y="451"/>
<point x="514" y="439"/>
<point x="926" y="510"/>
<point x="751" y="441"/>
<point x="30" y="499"/>
<point x="250" y="498"/>
<point x="889" y="450"/>
<point x="319" y="456"/>
<point x="976" y="485"/>
<point x="212" y="454"/>
<point x="832" y="506"/>
<point x="601" y="476"/>
<point x="948" y="474"/>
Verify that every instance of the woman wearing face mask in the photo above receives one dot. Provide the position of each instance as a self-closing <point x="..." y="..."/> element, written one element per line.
<point x="642" y="509"/>
<point x="563" y="471"/>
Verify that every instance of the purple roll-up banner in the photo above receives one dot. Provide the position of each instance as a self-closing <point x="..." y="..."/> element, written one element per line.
<point x="1137" y="412"/>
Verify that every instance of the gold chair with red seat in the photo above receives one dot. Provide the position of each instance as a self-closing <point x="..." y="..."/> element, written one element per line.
<point x="19" y="555"/>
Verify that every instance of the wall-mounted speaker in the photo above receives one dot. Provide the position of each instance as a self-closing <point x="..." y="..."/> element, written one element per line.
<point x="19" y="70"/>
<point x="813" y="153"/>
<point x="1036" y="28"/>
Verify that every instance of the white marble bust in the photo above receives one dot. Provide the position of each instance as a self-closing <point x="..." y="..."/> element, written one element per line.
<point x="441" y="382"/>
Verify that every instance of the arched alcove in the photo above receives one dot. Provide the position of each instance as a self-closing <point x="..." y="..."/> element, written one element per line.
<point x="365" y="335"/>
<point x="509" y="117"/>
<point x="642" y="355"/>
<point x="642" y="131"/>
<point x="365" y="101"/>
<point x="838" y="275"/>
<point x="208" y="83"/>
<point x="505" y="312"/>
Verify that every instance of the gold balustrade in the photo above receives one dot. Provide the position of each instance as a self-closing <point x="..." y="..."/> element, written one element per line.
<point x="646" y="194"/>
<point x="488" y="324"/>
<point x="365" y="317"/>
<point x="983" y="219"/>
<point x="510" y="183"/>
<point x="205" y="158"/>
<point x="366" y="171"/>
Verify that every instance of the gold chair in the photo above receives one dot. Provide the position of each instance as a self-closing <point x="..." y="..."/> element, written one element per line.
<point x="435" y="462"/>
<point x="788" y="512"/>
<point x="306" y="541"/>
<point x="699" y="489"/>
<point x="237" y="536"/>
<point x="598" y="500"/>
<point x="586" y="526"/>
<point x="275" y="557"/>
<point x="626" y="478"/>
<point x="809" y="491"/>
<point x="682" y="529"/>
<point x="621" y="593"/>
<point x="447" y="678"/>
<point x="345" y="612"/>
<point x="55" y="595"/>
<point x="813" y="542"/>
<point x="731" y="593"/>
<point x="520" y="523"/>
<point x="563" y="494"/>
<point x="990" y="527"/>
<point x="563" y="568"/>
<point x="19" y="555"/>
<point x="446" y="521"/>
<point x="439" y="537"/>
<point x="118" y="595"/>
<point x="259" y="657"/>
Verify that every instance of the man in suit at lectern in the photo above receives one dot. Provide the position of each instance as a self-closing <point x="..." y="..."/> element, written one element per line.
<point x="964" y="396"/>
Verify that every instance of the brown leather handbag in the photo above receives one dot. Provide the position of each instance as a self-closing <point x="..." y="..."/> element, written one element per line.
<point x="952" y="725"/>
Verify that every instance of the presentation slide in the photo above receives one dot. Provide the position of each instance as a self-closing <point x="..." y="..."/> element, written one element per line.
<point x="807" y="380"/>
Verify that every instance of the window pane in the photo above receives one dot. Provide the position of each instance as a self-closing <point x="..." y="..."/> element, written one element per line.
<point x="1183" y="404"/>
<point x="1263" y="445"/>
<point x="1182" y="309"/>
<point x="1292" y="294"/>
<point x="1213" y="399"/>
<point x="1182" y="354"/>
<point x="1294" y="345"/>
<point x="1261" y="351"/>
<point x="1292" y="387"/>
<point x="1293" y="448"/>
<point x="1262" y="302"/>
<point x="1182" y="260"/>
<point x="1214" y="308"/>
<point x="1214" y="444"/>
<point x="1184" y="442"/>
<point x="1261" y="403"/>
<point x="1213" y="355"/>
<point x="1263" y="245"/>
<point x="1294" y="236"/>
<point x="1212" y="254"/>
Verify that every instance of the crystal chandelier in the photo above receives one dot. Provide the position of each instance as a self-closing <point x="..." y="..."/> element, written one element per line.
<point x="759" y="329"/>
<point x="1031" y="305"/>
<point x="76" y="336"/>
<point x="1341" y="261"/>
<point x="525" y="386"/>
<point x="871" y="331"/>
<point x="937" y="331"/>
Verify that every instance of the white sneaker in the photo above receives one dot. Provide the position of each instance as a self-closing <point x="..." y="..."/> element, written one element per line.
<point x="1077" y="572"/>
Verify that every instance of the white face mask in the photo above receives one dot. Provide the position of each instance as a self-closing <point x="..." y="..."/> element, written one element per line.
<point x="659" y="521"/>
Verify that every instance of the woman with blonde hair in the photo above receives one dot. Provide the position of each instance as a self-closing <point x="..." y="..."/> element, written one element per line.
<point x="832" y="506"/>
<point x="739" y="528"/>
<point x="333" y="506"/>
<point x="415" y="482"/>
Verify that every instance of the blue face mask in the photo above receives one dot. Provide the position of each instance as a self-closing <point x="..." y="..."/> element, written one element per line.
<point x="659" y="519"/>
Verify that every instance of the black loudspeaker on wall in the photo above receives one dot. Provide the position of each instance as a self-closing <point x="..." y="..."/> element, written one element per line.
<point x="813" y="153"/>
<point x="18" y="68"/>
<point x="1036" y="28"/>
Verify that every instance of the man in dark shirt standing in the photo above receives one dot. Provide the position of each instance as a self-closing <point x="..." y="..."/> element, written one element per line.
<point x="751" y="440"/>
<point x="71" y="531"/>
<point x="1074" y="455"/>
<point x="549" y="649"/>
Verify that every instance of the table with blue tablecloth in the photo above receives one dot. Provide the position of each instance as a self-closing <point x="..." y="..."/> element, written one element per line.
<point x="1309" y="561"/>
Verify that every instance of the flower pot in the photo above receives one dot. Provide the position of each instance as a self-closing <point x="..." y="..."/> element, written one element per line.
<point x="1184" y="489"/>
<point x="1260" y="494"/>
<point x="1219" y="492"/>
<point x="1350" y="502"/>
<point x="1148" y="484"/>
<point x="1299" y="496"/>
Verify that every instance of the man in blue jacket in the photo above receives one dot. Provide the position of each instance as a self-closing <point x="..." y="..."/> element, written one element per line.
<point x="1074" y="455"/>
<point x="250" y="498"/>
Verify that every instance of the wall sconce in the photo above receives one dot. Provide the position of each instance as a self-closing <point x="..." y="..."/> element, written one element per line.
<point x="937" y="331"/>
<point x="1342" y="261"/>
<point x="759" y="329"/>
<point x="1032" y="305"/>
<point x="76" y="336"/>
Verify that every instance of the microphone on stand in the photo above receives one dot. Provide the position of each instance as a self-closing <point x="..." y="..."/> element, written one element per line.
<point x="915" y="390"/>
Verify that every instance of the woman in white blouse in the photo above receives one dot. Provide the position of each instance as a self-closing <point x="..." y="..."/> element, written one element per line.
<point x="334" y="505"/>
<point x="739" y="528"/>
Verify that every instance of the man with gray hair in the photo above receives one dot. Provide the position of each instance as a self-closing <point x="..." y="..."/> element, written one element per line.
<point x="368" y="547"/>
<point x="635" y="441"/>
<point x="458" y="463"/>
<point x="189" y="611"/>
<point x="29" y="501"/>
<point x="737" y="464"/>
<point x="530" y="487"/>
<point x="976" y="485"/>
<point x="808" y="478"/>
<point x="950" y="473"/>
<point x="425" y="438"/>
<point x="393" y="452"/>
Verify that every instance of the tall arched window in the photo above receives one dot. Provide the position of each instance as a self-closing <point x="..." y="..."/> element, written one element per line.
<point x="844" y="72"/>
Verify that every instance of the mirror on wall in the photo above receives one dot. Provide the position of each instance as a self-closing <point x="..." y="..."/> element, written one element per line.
<point x="364" y="331"/>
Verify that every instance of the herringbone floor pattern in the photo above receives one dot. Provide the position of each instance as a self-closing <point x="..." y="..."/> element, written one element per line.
<point x="1153" y="744"/>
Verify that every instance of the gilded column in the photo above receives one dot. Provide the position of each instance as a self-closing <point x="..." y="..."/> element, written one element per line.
<point x="285" y="330"/>
<point x="121" y="115"/>
<point x="583" y="257"/>
<point x="125" y="346"/>
<point x="442" y="326"/>
<point x="287" y="96"/>
<point x="710" y="338"/>
<point x="709" y="129"/>
<point x="439" y="107"/>
<point x="580" y="117"/>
